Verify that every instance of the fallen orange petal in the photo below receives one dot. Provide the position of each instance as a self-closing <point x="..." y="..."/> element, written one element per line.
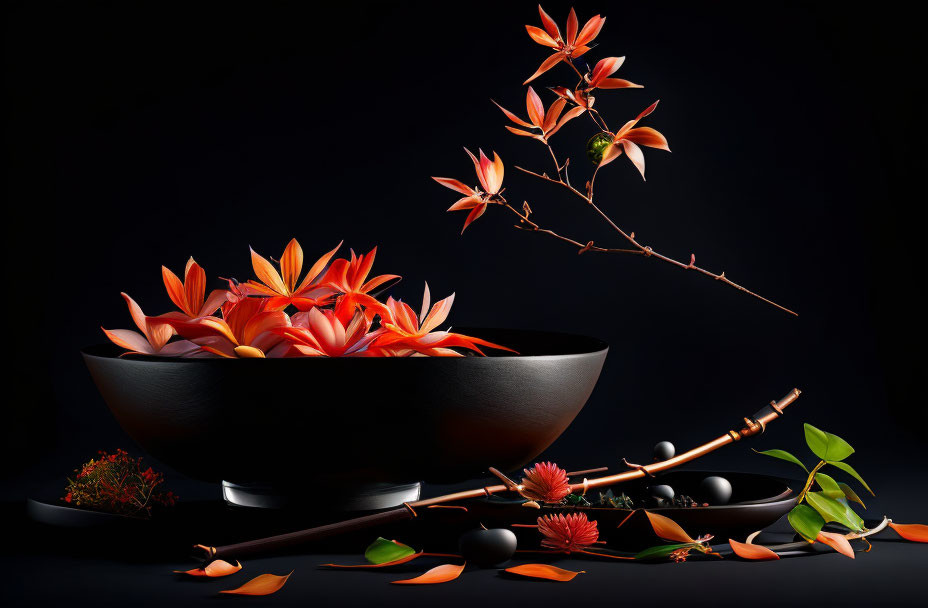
<point x="915" y="532"/>
<point x="438" y="574"/>
<point x="551" y="573"/>
<point x="265" y="584"/>
<point x="836" y="542"/>
<point x="395" y="562"/>
<point x="668" y="528"/>
<point x="214" y="569"/>
<point x="747" y="551"/>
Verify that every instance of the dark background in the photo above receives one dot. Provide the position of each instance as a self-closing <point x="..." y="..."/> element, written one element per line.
<point x="139" y="135"/>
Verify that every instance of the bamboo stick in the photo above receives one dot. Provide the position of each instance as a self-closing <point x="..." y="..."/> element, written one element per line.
<point x="752" y="426"/>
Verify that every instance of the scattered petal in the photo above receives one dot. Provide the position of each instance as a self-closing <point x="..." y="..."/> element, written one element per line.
<point x="214" y="569"/>
<point x="837" y="542"/>
<point x="915" y="532"/>
<point x="265" y="584"/>
<point x="668" y="528"/>
<point x="438" y="574"/>
<point x="755" y="552"/>
<point x="545" y="571"/>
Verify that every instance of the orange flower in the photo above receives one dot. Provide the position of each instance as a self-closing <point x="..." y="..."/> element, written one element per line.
<point x="246" y="332"/>
<point x="320" y="333"/>
<point x="546" y="482"/>
<point x="282" y="288"/>
<point x="490" y="175"/>
<point x="407" y="334"/>
<point x="189" y="295"/>
<point x="349" y="278"/>
<point x="154" y="337"/>
<point x="567" y="48"/>
<point x="628" y="137"/>
<point x="568" y="533"/>
<point x="547" y="123"/>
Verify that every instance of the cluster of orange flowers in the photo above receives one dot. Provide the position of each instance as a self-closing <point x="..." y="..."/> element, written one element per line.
<point x="335" y="314"/>
<point x="578" y="100"/>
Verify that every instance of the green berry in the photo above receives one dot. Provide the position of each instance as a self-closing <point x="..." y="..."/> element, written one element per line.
<point x="596" y="146"/>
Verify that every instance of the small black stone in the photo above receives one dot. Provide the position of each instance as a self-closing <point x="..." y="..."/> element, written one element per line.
<point x="664" y="451"/>
<point x="487" y="548"/>
<point x="663" y="492"/>
<point x="715" y="490"/>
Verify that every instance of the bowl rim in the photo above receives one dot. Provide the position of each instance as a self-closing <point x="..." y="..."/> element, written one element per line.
<point x="595" y="346"/>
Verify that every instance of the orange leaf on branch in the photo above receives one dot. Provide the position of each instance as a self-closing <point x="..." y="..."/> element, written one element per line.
<point x="914" y="532"/>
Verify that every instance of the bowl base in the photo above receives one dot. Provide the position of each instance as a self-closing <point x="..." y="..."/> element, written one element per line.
<point x="363" y="497"/>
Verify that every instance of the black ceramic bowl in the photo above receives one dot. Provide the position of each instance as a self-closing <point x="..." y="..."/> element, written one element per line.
<point x="309" y="421"/>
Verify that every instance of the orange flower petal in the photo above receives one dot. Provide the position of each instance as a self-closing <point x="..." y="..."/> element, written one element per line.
<point x="546" y="65"/>
<point x="194" y="287"/>
<point x="175" y="288"/>
<point x="540" y="36"/>
<point x="317" y="268"/>
<point x="836" y="542"/>
<point x="572" y="25"/>
<point x="454" y="184"/>
<point x="756" y="552"/>
<point x="545" y="571"/>
<point x="590" y="30"/>
<point x="635" y="155"/>
<point x="524" y="133"/>
<point x="915" y="532"/>
<point x="291" y="263"/>
<point x="438" y="574"/>
<point x="549" y="24"/>
<point x="617" y="83"/>
<point x="214" y="569"/>
<point x="266" y="272"/>
<point x="265" y="584"/>
<point x="667" y="528"/>
<point x="536" y="109"/>
<point x="475" y="213"/>
<point x="511" y="116"/>
<point x="646" y="136"/>
<point x="553" y="113"/>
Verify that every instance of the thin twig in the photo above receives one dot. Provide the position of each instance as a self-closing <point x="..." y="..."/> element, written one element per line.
<point x="648" y="251"/>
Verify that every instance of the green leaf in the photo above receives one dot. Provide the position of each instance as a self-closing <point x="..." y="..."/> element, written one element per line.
<point x="850" y="494"/>
<point x="806" y="520"/>
<point x="829" y="486"/>
<point x="850" y="471"/>
<point x="833" y="510"/>
<point x="382" y="551"/>
<point x="783" y="455"/>
<point x="825" y="445"/>
<point x="661" y="551"/>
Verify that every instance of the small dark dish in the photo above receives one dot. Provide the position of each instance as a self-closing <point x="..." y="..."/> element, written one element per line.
<point x="757" y="502"/>
<point x="318" y="423"/>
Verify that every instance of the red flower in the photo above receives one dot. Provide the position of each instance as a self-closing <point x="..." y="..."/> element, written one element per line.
<point x="546" y="482"/>
<point x="567" y="48"/>
<point x="568" y="533"/>
<point x="490" y="175"/>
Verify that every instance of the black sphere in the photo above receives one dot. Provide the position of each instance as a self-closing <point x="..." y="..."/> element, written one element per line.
<point x="715" y="490"/>
<point x="487" y="548"/>
<point x="663" y="492"/>
<point x="664" y="451"/>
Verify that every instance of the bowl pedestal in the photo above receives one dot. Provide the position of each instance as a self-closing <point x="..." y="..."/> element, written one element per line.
<point x="363" y="497"/>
